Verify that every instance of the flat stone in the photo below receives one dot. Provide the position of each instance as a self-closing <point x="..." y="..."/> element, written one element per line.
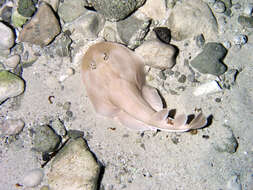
<point x="132" y="30"/>
<point x="7" y="37"/>
<point x="162" y="56"/>
<point x="66" y="8"/>
<point x="209" y="60"/>
<point x="42" y="28"/>
<point x="115" y="10"/>
<point x="11" y="85"/>
<point x="246" y="21"/>
<point x="191" y="18"/>
<point x="44" y="139"/>
<point x="74" y="167"/>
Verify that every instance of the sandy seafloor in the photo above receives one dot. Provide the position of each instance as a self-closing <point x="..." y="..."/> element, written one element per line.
<point x="135" y="161"/>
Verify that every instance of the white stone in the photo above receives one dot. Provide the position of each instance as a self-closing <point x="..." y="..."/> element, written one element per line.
<point x="191" y="18"/>
<point x="11" y="126"/>
<point x="33" y="177"/>
<point x="248" y="10"/>
<point x="207" y="88"/>
<point x="157" y="54"/>
<point x="7" y="37"/>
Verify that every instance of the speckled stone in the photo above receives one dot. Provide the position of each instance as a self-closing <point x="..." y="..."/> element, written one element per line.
<point x="6" y="14"/>
<point x="115" y="10"/>
<point x="26" y="8"/>
<point x="74" y="167"/>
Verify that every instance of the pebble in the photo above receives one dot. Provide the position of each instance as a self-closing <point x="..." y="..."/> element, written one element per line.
<point x="219" y="7"/>
<point x="207" y="88"/>
<point x="234" y="183"/>
<point x="11" y="126"/>
<point x="182" y="79"/>
<point x="42" y="28"/>
<point x="12" y="61"/>
<point x="6" y="14"/>
<point x="45" y="139"/>
<point x="33" y="177"/>
<point x="163" y="34"/>
<point x="7" y="37"/>
<point x="209" y="60"/>
<point x="240" y="39"/>
<point x="74" y="161"/>
<point x="26" y="8"/>
<point x="11" y="85"/>
<point x="132" y="30"/>
<point x="162" y="57"/>
<point x="246" y="21"/>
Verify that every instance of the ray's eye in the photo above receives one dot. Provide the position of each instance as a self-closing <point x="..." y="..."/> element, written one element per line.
<point x="93" y="65"/>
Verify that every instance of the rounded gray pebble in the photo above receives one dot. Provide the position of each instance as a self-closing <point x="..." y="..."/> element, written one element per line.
<point x="182" y="79"/>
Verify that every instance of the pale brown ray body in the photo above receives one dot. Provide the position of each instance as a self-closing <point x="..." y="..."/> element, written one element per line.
<point x="114" y="79"/>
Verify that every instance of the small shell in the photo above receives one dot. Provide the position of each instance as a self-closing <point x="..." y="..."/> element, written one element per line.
<point x="207" y="88"/>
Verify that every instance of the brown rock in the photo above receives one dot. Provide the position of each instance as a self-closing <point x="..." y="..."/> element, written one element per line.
<point x="42" y="28"/>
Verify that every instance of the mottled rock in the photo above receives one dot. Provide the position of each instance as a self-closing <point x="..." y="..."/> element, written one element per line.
<point x="26" y="8"/>
<point x="154" y="9"/>
<point x="87" y="26"/>
<point x="74" y="167"/>
<point x="11" y="85"/>
<point x="17" y="19"/>
<point x="11" y="126"/>
<point x="33" y="177"/>
<point x="191" y="18"/>
<point x="132" y="30"/>
<point x="45" y="139"/>
<point x="246" y="21"/>
<point x="209" y="60"/>
<point x="200" y="40"/>
<point x="42" y="28"/>
<point x="229" y="78"/>
<point x="69" y="10"/>
<point x="109" y="34"/>
<point x="240" y="39"/>
<point x="163" y="34"/>
<point x="7" y="37"/>
<point x="115" y="10"/>
<point x="6" y="14"/>
<point x="162" y="56"/>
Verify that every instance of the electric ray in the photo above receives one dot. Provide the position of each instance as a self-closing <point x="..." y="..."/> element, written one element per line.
<point x="114" y="79"/>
